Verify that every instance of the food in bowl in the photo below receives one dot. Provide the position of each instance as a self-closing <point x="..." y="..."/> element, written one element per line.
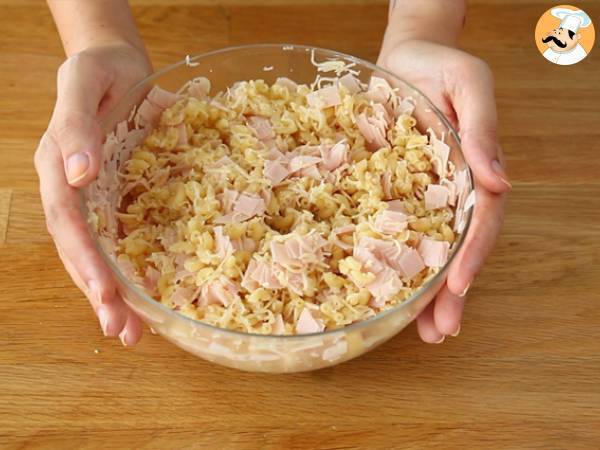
<point x="279" y="208"/>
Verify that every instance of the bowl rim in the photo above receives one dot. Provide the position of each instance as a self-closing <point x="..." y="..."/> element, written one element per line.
<point x="333" y="332"/>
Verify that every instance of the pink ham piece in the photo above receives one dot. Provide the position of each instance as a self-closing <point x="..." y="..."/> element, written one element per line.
<point x="122" y="131"/>
<point x="368" y="259"/>
<point x="406" y="106"/>
<point x="161" y="98"/>
<point x="224" y="247"/>
<point x="182" y="296"/>
<point x="441" y="152"/>
<point x="451" y="186"/>
<point x="228" y="199"/>
<point x="390" y="222"/>
<point x="351" y="83"/>
<point x="301" y="162"/>
<point x="310" y="172"/>
<point x="308" y="324"/>
<point x="221" y="291"/>
<point x="436" y="196"/>
<point x="386" y="285"/>
<point x="334" y="156"/>
<point x="396" y="205"/>
<point x="275" y="171"/>
<point x="149" y="113"/>
<point x="410" y="263"/>
<point x="151" y="279"/>
<point x="260" y="274"/>
<point x="249" y="205"/>
<point x="244" y="243"/>
<point x="434" y="253"/>
<point x="344" y="229"/>
<point x="373" y="130"/>
<point x="262" y="127"/>
<point x="324" y="98"/>
<point x="287" y="83"/>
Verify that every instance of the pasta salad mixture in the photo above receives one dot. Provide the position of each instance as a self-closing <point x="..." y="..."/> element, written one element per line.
<point x="278" y="209"/>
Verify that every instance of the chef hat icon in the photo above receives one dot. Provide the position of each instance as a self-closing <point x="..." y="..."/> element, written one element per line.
<point x="572" y="19"/>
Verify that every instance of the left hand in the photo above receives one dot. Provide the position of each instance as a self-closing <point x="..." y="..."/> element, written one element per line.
<point x="462" y="87"/>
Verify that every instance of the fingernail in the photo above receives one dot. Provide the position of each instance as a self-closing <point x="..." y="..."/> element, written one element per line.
<point x="464" y="292"/>
<point x="441" y="340"/>
<point x="456" y="332"/>
<point x="77" y="166"/>
<point x="153" y="331"/>
<point x="123" y="337"/>
<point x="103" y="319"/>
<point x="500" y="172"/>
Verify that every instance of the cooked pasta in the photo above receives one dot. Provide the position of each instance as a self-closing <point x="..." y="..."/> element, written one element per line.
<point x="278" y="209"/>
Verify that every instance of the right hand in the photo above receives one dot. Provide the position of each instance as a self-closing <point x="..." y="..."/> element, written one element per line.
<point x="89" y="84"/>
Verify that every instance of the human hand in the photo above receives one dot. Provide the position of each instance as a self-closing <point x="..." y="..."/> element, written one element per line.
<point x="462" y="87"/>
<point x="68" y="157"/>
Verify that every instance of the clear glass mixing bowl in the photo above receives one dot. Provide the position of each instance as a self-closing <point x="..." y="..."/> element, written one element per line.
<point x="274" y="353"/>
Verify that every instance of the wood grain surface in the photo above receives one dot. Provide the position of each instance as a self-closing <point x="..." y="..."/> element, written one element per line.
<point x="524" y="372"/>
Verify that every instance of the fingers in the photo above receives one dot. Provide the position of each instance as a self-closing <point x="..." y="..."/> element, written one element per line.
<point x="486" y="224"/>
<point x="426" y="326"/>
<point x="470" y="85"/>
<point x="447" y="312"/>
<point x="81" y="88"/>
<point x="132" y="331"/>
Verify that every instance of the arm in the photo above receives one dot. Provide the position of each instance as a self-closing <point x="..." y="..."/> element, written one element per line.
<point x="420" y="47"/>
<point x="87" y="24"/>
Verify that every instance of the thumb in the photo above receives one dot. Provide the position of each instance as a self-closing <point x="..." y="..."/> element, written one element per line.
<point x="472" y="94"/>
<point x="74" y="121"/>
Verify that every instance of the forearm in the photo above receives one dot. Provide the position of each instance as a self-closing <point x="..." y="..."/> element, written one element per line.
<point x="439" y="21"/>
<point x="89" y="23"/>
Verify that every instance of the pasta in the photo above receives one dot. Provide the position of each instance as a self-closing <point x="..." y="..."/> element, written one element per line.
<point x="278" y="209"/>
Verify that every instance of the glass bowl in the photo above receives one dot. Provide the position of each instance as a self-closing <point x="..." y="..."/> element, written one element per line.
<point x="275" y="353"/>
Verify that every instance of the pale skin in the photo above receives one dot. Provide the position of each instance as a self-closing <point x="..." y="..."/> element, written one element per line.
<point x="106" y="56"/>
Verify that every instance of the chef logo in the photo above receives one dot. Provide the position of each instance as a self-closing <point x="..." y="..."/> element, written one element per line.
<point x="564" y="35"/>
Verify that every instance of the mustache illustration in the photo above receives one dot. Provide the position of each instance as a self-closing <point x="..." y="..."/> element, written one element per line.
<point x="556" y="41"/>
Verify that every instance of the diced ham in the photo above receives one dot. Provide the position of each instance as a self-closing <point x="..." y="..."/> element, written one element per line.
<point x="244" y="243"/>
<point x="249" y="205"/>
<point x="396" y="205"/>
<point x="224" y="247"/>
<point x="334" y="156"/>
<point x="228" y="199"/>
<point x="386" y="285"/>
<point x="434" y="253"/>
<point x="351" y="83"/>
<point x="221" y="291"/>
<point x="451" y="186"/>
<point x="262" y="127"/>
<point x="310" y="172"/>
<point x="441" y="152"/>
<point x="308" y="324"/>
<point x="275" y="171"/>
<point x="302" y="161"/>
<point x="182" y="296"/>
<point x="162" y="98"/>
<point x="406" y="106"/>
<point x="324" y="98"/>
<point x="151" y="279"/>
<point x="390" y="222"/>
<point x="122" y="131"/>
<point x="469" y="201"/>
<point x="436" y="196"/>
<point x="149" y="112"/>
<point x="410" y="263"/>
<point x="287" y="83"/>
<point x="368" y="259"/>
<point x="373" y="130"/>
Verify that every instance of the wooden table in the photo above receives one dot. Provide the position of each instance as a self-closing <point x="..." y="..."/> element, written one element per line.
<point x="524" y="372"/>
